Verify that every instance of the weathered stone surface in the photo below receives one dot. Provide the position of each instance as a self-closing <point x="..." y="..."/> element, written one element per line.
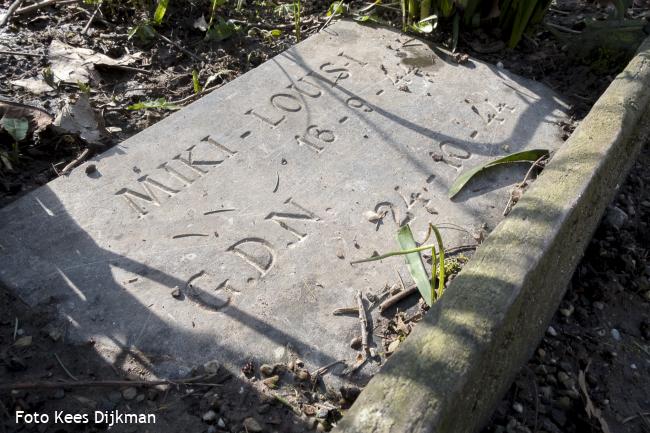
<point x="225" y="231"/>
<point x="449" y="374"/>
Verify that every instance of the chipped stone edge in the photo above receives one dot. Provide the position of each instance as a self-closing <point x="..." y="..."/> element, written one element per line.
<point x="451" y="372"/>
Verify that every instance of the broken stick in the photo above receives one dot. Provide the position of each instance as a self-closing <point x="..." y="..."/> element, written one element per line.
<point x="364" y="324"/>
<point x="397" y="297"/>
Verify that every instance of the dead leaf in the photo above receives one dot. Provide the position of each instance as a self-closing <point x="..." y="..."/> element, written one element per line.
<point x="38" y="118"/>
<point x="201" y="24"/>
<point x="590" y="409"/>
<point x="24" y="341"/>
<point x="72" y="65"/>
<point x="33" y="85"/>
<point x="80" y="118"/>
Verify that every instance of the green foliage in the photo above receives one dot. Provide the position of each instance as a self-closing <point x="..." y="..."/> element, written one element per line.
<point x="16" y="127"/>
<point x="144" y="32"/>
<point x="195" y="82"/>
<point x="337" y="8"/>
<point x="409" y="248"/>
<point x="160" y="103"/>
<point x="296" y="18"/>
<point x="222" y="30"/>
<point x="161" y="9"/>
<point x="465" y="177"/>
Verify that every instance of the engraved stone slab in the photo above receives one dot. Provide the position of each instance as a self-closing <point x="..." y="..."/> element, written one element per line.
<point x="250" y="203"/>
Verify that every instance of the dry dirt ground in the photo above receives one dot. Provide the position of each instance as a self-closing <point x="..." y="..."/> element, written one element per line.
<point x="601" y="331"/>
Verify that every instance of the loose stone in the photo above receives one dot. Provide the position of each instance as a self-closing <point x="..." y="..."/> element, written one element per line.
<point x="252" y="425"/>
<point x="129" y="393"/>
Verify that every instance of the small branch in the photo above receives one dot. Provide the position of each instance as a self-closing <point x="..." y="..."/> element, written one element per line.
<point x="12" y="9"/>
<point x="397" y="298"/>
<point x="345" y="311"/>
<point x="104" y="383"/>
<point x="90" y="20"/>
<point x="363" y="321"/>
<point x="177" y="45"/>
<point x="70" y="375"/>
<point x="74" y="162"/>
<point x="20" y="53"/>
<point x="31" y="8"/>
<point x="562" y="28"/>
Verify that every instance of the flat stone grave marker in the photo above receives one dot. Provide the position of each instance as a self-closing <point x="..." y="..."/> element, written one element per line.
<point x="226" y="230"/>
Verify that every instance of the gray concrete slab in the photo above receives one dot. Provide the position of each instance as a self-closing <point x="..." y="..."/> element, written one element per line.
<point x="252" y="201"/>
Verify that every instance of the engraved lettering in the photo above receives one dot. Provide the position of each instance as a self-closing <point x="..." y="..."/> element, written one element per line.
<point x="303" y="91"/>
<point x="203" y="299"/>
<point x="176" y="174"/>
<point x="329" y="68"/>
<point x="362" y="63"/>
<point x="453" y="154"/>
<point x="286" y="102"/>
<point x="263" y="266"/>
<point x="358" y="103"/>
<point x="315" y="133"/>
<point x="194" y="164"/>
<point x="229" y="153"/>
<point x="280" y="217"/>
<point x="272" y="123"/>
<point x="148" y="197"/>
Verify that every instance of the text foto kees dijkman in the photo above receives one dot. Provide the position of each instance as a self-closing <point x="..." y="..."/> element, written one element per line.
<point x="97" y="417"/>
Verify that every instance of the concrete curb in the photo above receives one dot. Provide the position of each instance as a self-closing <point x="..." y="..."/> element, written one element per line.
<point x="451" y="372"/>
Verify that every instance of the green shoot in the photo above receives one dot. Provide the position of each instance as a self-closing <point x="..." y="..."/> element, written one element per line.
<point x="195" y="82"/>
<point x="159" y="103"/>
<point x="410" y="249"/>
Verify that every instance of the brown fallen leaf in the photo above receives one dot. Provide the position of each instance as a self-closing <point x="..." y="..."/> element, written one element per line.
<point x="33" y="85"/>
<point x="71" y="64"/>
<point x="79" y="118"/>
<point x="590" y="409"/>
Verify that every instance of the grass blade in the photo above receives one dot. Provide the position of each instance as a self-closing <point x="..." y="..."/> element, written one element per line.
<point x="161" y="9"/>
<point x="414" y="264"/>
<point x="525" y="156"/>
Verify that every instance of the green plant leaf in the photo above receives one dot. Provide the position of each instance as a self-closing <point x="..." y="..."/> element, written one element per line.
<point x="337" y="8"/>
<point x="222" y="30"/>
<point x="414" y="264"/>
<point x="16" y="127"/>
<point x="276" y="33"/>
<point x="195" y="82"/>
<point x="161" y="8"/>
<point x="159" y="103"/>
<point x="525" y="156"/>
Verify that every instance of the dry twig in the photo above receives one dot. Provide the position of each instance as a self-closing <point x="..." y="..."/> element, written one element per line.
<point x="12" y="9"/>
<point x="37" y="6"/>
<point x="397" y="297"/>
<point x="104" y="383"/>
<point x="363" y="321"/>
<point x="70" y="375"/>
<point x="74" y="162"/>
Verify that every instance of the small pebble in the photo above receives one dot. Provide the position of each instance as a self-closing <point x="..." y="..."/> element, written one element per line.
<point x="129" y="393"/>
<point x="221" y="423"/>
<point x="266" y="370"/>
<point x="209" y="416"/>
<point x="616" y="335"/>
<point x="551" y="331"/>
<point x="518" y="407"/>
<point x="302" y="375"/>
<point x="500" y="65"/>
<point x="176" y="292"/>
<point x="599" y="305"/>
<point x="272" y="382"/>
<point x="633" y="366"/>
<point x="252" y="425"/>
